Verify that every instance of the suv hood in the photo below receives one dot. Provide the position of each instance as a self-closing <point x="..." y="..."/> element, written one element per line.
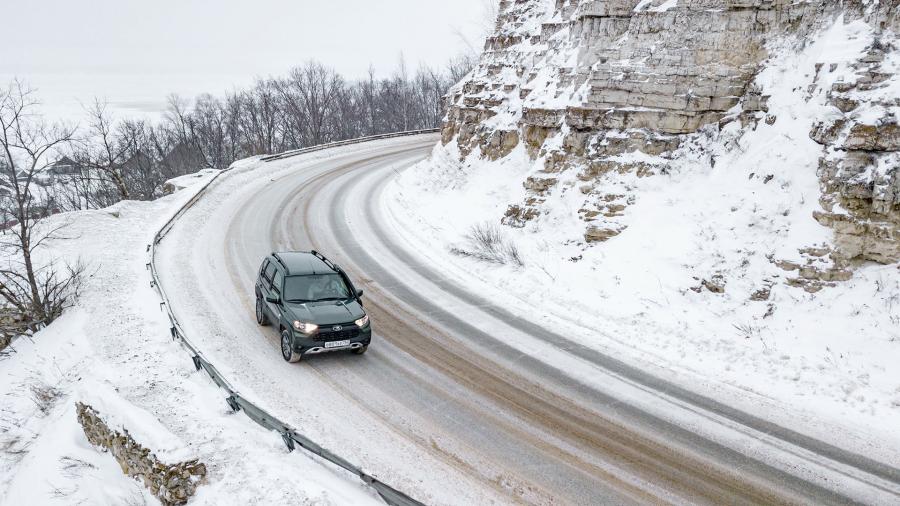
<point x="326" y="313"/>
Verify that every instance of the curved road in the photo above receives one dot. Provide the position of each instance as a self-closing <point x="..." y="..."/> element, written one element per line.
<point x="458" y="400"/>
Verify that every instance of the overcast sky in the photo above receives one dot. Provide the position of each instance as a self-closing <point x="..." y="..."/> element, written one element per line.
<point x="133" y="53"/>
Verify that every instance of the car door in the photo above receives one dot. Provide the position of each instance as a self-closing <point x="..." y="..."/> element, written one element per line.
<point x="262" y="288"/>
<point x="260" y="285"/>
<point x="265" y="287"/>
<point x="276" y="285"/>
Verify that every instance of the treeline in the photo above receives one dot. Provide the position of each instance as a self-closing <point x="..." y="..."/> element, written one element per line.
<point x="312" y="104"/>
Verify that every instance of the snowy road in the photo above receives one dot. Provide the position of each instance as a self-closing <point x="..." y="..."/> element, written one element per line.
<point x="459" y="401"/>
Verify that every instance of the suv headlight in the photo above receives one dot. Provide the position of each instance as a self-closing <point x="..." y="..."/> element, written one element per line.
<point x="362" y="322"/>
<point x="306" y="328"/>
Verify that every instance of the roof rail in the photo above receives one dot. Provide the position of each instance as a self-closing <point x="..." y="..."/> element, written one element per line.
<point x="321" y="257"/>
<point x="277" y="257"/>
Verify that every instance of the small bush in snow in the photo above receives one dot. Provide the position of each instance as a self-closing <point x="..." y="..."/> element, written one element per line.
<point x="488" y="243"/>
<point x="44" y="395"/>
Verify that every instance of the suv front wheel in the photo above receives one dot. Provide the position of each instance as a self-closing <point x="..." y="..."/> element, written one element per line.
<point x="287" y="347"/>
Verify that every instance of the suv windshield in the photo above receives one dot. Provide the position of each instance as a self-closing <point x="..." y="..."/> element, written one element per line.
<point x="315" y="287"/>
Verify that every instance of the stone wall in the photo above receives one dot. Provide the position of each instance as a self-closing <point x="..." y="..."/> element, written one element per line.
<point x="173" y="484"/>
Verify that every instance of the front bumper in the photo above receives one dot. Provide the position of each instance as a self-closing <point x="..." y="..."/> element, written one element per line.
<point x="306" y="344"/>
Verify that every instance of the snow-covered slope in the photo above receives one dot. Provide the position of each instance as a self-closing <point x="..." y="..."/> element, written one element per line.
<point x="742" y="238"/>
<point x="114" y="351"/>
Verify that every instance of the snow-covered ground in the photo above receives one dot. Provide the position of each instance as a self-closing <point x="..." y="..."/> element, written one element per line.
<point x="797" y="358"/>
<point x="113" y="350"/>
<point x="730" y="202"/>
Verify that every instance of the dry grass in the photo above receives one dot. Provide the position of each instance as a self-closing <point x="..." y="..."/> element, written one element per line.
<point x="487" y="242"/>
<point x="73" y="468"/>
<point x="43" y="395"/>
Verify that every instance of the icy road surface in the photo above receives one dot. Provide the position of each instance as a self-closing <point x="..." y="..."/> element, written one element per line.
<point x="457" y="401"/>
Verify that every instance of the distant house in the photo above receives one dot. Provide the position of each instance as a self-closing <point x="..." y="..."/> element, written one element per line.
<point x="64" y="168"/>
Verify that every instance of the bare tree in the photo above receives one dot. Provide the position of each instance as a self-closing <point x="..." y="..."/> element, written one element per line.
<point x="103" y="152"/>
<point x="310" y="93"/>
<point x="142" y="173"/>
<point x="36" y="294"/>
<point x="260" y="117"/>
<point x="369" y="105"/>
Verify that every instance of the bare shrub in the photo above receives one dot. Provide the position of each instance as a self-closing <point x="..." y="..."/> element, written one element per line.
<point x="23" y="314"/>
<point x="488" y="243"/>
<point x="43" y="395"/>
<point x="750" y="331"/>
<point x="73" y="468"/>
<point x="13" y="447"/>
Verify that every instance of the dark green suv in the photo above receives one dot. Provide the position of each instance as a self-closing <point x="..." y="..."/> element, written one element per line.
<point x="312" y="303"/>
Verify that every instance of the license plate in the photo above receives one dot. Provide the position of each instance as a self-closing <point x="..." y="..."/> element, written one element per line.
<point x="337" y="344"/>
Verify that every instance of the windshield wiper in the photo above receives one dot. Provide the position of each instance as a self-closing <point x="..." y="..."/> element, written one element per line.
<point x="331" y="299"/>
<point x="299" y="301"/>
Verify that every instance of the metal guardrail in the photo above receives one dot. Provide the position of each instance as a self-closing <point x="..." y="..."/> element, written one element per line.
<point x="301" y="151"/>
<point x="235" y="400"/>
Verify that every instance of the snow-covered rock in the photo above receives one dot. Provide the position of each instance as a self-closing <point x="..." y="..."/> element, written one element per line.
<point x="597" y="88"/>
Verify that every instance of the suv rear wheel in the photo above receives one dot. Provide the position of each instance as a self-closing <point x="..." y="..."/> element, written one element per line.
<point x="287" y="348"/>
<point x="261" y="317"/>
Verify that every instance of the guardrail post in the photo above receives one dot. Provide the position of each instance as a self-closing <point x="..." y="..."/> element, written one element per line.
<point x="288" y="441"/>
<point x="196" y="360"/>
<point x="232" y="403"/>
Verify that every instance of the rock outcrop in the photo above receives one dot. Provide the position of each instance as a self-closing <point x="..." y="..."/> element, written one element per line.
<point x="860" y="167"/>
<point x="611" y="88"/>
<point x="172" y="484"/>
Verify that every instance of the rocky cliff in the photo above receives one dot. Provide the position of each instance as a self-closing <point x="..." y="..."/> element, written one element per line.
<point x="597" y="92"/>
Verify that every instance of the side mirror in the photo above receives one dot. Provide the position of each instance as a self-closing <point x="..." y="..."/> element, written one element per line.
<point x="274" y="299"/>
<point x="359" y="294"/>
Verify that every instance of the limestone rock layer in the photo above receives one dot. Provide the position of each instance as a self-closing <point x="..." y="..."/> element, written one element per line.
<point x="579" y="83"/>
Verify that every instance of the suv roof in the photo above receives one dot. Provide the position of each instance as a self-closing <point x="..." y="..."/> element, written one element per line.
<point x="302" y="262"/>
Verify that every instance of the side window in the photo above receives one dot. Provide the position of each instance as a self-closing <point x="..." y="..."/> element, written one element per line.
<point x="276" y="281"/>
<point x="270" y="271"/>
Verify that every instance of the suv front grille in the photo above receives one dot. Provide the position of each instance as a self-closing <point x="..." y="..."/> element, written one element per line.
<point x="328" y="333"/>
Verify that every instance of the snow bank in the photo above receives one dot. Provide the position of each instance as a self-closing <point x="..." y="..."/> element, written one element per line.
<point x="186" y="181"/>
<point x="121" y="415"/>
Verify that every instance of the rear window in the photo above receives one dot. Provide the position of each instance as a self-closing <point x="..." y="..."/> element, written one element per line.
<point x="315" y="287"/>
